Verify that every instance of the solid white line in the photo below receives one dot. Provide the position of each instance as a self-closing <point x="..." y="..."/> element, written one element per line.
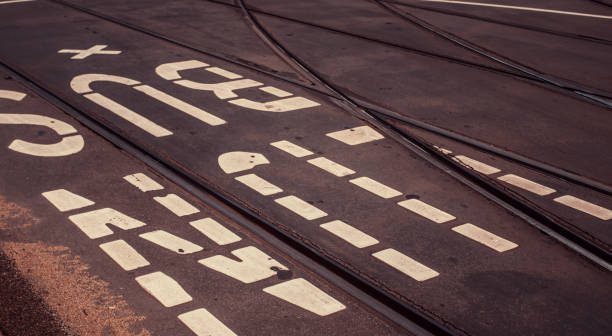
<point x="258" y="184"/>
<point x="520" y="8"/>
<point x="484" y="237"/>
<point x="405" y="264"/>
<point x="165" y="289"/>
<point x="356" y="136"/>
<point x="65" y="200"/>
<point x="584" y="206"/>
<point x="331" y="167"/>
<point x="300" y="207"/>
<point x="426" y="210"/>
<point x="476" y="165"/>
<point x="375" y="187"/>
<point x="171" y="242"/>
<point x="350" y="234"/>
<point x="291" y="148"/>
<point x="203" y="323"/>
<point x="143" y="182"/>
<point x="124" y="255"/>
<point x="13" y="1"/>
<point x="526" y="184"/>
<point x="302" y="293"/>
<point x="177" y="205"/>
<point x="215" y="231"/>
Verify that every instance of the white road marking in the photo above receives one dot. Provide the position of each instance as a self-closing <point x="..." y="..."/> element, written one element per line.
<point x="233" y="162"/>
<point x="443" y="150"/>
<point x="129" y="115"/>
<point x="584" y="206"/>
<point x="405" y="264"/>
<point x="143" y="182"/>
<point x="224" y="90"/>
<point x="95" y="50"/>
<point x="124" y="255"/>
<point x="82" y="83"/>
<point x="171" y="242"/>
<point x="291" y="148"/>
<point x="356" y="136"/>
<point x="258" y="184"/>
<point x="215" y="231"/>
<point x="176" y="204"/>
<point x="13" y="1"/>
<point x="58" y="126"/>
<point x="280" y="105"/>
<point x="350" y="234"/>
<point x="163" y="288"/>
<point x="180" y="105"/>
<point x="276" y="91"/>
<point x="426" y="210"/>
<point x="223" y="73"/>
<point x="94" y="223"/>
<point x="331" y="166"/>
<point x="300" y="207"/>
<point x="302" y="293"/>
<point x="12" y="95"/>
<point x="375" y="187"/>
<point x="170" y="71"/>
<point x="485" y="237"/>
<point x="203" y="323"/>
<point x="476" y="165"/>
<point x="255" y="265"/>
<point x="526" y="184"/>
<point x="67" y="146"/>
<point x="65" y="200"/>
<point x="521" y="8"/>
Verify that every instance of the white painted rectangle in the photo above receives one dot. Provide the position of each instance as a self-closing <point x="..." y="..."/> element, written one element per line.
<point x="163" y="288"/>
<point x="223" y="73"/>
<point x="584" y="206"/>
<point x="484" y="237"/>
<point x="171" y="242"/>
<point x="124" y="255"/>
<point x="177" y="205"/>
<point x="259" y="184"/>
<point x="301" y="207"/>
<point x="405" y="264"/>
<point x="331" y="166"/>
<point x="350" y="234"/>
<point x="291" y="148"/>
<point x="143" y="182"/>
<point x="476" y="165"/>
<point x="276" y="91"/>
<point x="65" y="200"/>
<point x="421" y="208"/>
<point x="215" y="231"/>
<point x="356" y="136"/>
<point x="203" y="323"/>
<point x="375" y="187"/>
<point x="526" y="184"/>
<point x="302" y="293"/>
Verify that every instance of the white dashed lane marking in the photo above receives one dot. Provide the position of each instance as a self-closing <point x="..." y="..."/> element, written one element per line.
<point x="291" y="148"/>
<point x="64" y="200"/>
<point x="255" y="265"/>
<point x="94" y="223"/>
<point x="356" y="136"/>
<point x="300" y="207"/>
<point x="331" y="167"/>
<point x="177" y="205"/>
<point x="143" y="182"/>
<point x="476" y="165"/>
<point x="203" y="323"/>
<point x="163" y="288"/>
<point x="350" y="234"/>
<point x="302" y="293"/>
<point x="405" y="264"/>
<point x="584" y="206"/>
<point x="171" y="242"/>
<point x="484" y="237"/>
<point x="215" y="231"/>
<point x="259" y="184"/>
<point x="526" y="184"/>
<point x="375" y="187"/>
<point x="124" y="255"/>
<point x="426" y="210"/>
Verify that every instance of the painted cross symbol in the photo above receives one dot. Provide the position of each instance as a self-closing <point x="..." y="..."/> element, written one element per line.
<point x="81" y="54"/>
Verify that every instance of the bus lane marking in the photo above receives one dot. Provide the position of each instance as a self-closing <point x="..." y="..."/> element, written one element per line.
<point x="98" y="49"/>
<point x="203" y="323"/>
<point x="484" y="237"/>
<point x="331" y="166"/>
<point x="65" y="200"/>
<point x="302" y="293"/>
<point x="143" y="182"/>
<point x="291" y="148"/>
<point x="375" y="187"/>
<point x="176" y="205"/>
<point x="124" y="255"/>
<point x="215" y="231"/>
<point x="405" y="264"/>
<point x="259" y="184"/>
<point x="164" y="289"/>
<point x="349" y="233"/>
<point x="584" y="206"/>
<point x="171" y="242"/>
<point x="95" y="223"/>
<point x="432" y="213"/>
<point x="356" y="135"/>
<point x="6" y="2"/>
<point x="301" y="207"/>
<point x="254" y="265"/>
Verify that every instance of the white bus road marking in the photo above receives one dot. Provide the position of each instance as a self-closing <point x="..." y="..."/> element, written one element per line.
<point x="276" y="91"/>
<point x="95" y="50"/>
<point x="280" y="105"/>
<point x="259" y="184"/>
<point x="301" y="207"/>
<point x="584" y="206"/>
<point x="443" y="150"/>
<point x="233" y="162"/>
<point x="405" y="264"/>
<point x="176" y="204"/>
<point x="163" y="288"/>
<point x="143" y="182"/>
<point x="302" y="293"/>
<point x="60" y="127"/>
<point x="350" y="234"/>
<point x="65" y="200"/>
<point x="255" y="265"/>
<point x="542" y="10"/>
<point x="13" y="1"/>
<point x="223" y="73"/>
<point x="223" y="90"/>
<point x="12" y="95"/>
<point x="375" y="187"/>
<point x="124" y="255"/>
<point x="426" y="210"/>
<point x="203" y="323"/>
<point x="356" y="136"/>
<point x="526" y="184"/>
<point x="215" y="231"/>
<point x="331" y="166"/>
<point x="476" y="165"/>
<point x="291" y="148"/>
<point x="484" y="237"/>
<point x="94" y="223"/>
<point x="67" y="146"/>
<point x="171" y="242"/>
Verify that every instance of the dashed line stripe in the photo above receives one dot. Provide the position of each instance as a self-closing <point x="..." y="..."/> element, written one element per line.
<point x="375" y="187"/>
<point x="356" y="136"/>
<point x="302" y="293"/>
<point x="171" y="242"/>
<point x="215" y="231"/>
<point x="143" y="182"/>
<point x="476" y="165"/>
<point x="484" y="237"/>
<point x="259" y="184"/>
<point x="301" y="207"/>
<point x="291" y="148"/>
<point x="331" y="166"/>
<point x="405" y="264"/>
<point x="526" y="184"/>
<point x="177" y="205"/>
<point x="124" y="255"/>
<point x="350" y="234"/>
<point x="426" y="210"/>
<point x="584" y="206"/>
<point x="203" y="323"/>
<point x="65" y="200"/>
<point x="163" y="288"/>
